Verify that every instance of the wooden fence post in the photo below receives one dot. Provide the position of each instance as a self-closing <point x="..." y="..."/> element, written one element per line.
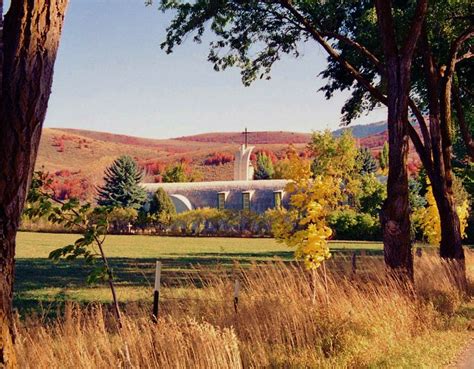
<point x="156" y="291"/>
<point x="354" y="262"/>
<point x="236" y="294"/>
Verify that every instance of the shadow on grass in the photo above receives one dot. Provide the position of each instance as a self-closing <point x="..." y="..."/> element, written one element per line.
<point x="37" y="280"/>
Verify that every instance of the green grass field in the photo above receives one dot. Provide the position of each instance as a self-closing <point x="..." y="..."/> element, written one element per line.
<point x="40" y="281"/>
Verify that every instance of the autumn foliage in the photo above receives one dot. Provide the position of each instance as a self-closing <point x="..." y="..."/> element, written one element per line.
<point x="219" y="158"/>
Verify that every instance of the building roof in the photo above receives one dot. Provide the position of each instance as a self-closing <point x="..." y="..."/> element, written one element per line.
<point x="205" y="194"/>
<point x="277" y="184"/>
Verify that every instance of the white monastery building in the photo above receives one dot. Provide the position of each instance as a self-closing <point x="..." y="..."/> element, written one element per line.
<point x="243" y="193"/>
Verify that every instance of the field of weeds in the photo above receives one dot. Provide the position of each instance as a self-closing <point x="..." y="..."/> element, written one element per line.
<point x="286" y="317"/>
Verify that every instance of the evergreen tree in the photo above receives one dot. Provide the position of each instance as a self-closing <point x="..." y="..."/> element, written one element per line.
<point x="366" y="161"/>
<point x="121" y="188"/>
<point x="417" y="191"/>
<point x="161" y="205"/>
<point x="264" y="168"/>
<point x="383" y="159"/>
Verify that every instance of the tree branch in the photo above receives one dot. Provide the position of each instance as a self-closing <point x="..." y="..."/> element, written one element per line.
<point x="423" y="148"/>
<point x="446" y="87"/>
<point x="453" y="55"/>
<point x="465" y="134"/>
<point x="415" y="29"/>
<point x="465" y="56"/>
<point x="425" y="157"/>
<point x="423" y="126"/>
<point x="387" y="27"/>
<point x="363" y="50"/>
<point x="318" y="37"/>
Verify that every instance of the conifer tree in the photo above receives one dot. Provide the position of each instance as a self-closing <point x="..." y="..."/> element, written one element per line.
<point x="264" y="168"/>
<point x="383" y="159"/>
<point x="161" y="204"/>
<point x="121" y="188"/>
<point x="366" y="161"/>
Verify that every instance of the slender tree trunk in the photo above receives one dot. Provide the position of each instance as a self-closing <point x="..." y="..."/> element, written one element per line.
<point x="30" y="41"/>
<point x="441" y="175"/>
<point x="451" y="243"/>
<point x="463" y="126"/>
<point x="450" y="246"/>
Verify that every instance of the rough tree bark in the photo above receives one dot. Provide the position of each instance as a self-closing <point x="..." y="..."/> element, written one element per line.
<point x="31" y="36"/>
<point x="395" y="214"/>
<point x="441" y="174"/>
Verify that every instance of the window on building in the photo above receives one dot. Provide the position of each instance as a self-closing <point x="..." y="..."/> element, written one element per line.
<point x="277" y="197"/>
<point x="246" y="200"/>
<point x="221" y="200"/>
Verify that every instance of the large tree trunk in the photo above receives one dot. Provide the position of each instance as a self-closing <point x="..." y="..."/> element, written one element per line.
<point x="395" y="214"/>
<point x="30" y="41"/>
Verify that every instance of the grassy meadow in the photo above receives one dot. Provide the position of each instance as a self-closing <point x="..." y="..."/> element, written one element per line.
<point x="39" y="280"/>
<point x="286" y="317"/>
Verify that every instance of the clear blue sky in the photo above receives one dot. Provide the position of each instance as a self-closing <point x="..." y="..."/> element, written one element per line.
<point x="111" y="75"/>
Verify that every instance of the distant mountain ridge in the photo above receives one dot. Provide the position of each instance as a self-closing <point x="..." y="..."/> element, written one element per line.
<point x="363" y="130"/>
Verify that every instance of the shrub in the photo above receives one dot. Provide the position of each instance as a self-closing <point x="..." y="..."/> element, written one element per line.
<point x="350" y="225"/>
<point x="162" y="210"/>
<point x="219" y="158"/>
<point x="373" y="194"/>
<point x="175" y="174"/>
<point x="211" y="221"/>
<point x="120" y="218"/>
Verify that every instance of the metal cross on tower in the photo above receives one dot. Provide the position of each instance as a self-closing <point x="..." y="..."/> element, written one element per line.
<point x="246" y="136"/>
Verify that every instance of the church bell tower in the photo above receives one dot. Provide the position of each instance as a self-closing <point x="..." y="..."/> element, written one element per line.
<point x="243" y="168"/>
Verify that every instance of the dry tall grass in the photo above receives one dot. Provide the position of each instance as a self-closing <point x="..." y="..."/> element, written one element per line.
<point x="286" y="317"/>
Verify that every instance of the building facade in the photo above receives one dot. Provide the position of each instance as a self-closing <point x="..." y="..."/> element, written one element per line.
<point x="243" y="193"/>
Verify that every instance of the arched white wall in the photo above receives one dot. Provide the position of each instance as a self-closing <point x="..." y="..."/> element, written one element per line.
<point x="181" y="203"/>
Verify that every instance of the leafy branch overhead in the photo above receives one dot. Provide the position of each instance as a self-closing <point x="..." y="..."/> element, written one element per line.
<point x="254" y="34"/>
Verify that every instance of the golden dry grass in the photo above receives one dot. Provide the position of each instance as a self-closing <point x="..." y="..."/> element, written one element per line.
<point x="287" y="317"/>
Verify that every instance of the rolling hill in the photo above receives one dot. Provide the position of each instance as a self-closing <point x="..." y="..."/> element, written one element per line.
<point x="77" y="158"/>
